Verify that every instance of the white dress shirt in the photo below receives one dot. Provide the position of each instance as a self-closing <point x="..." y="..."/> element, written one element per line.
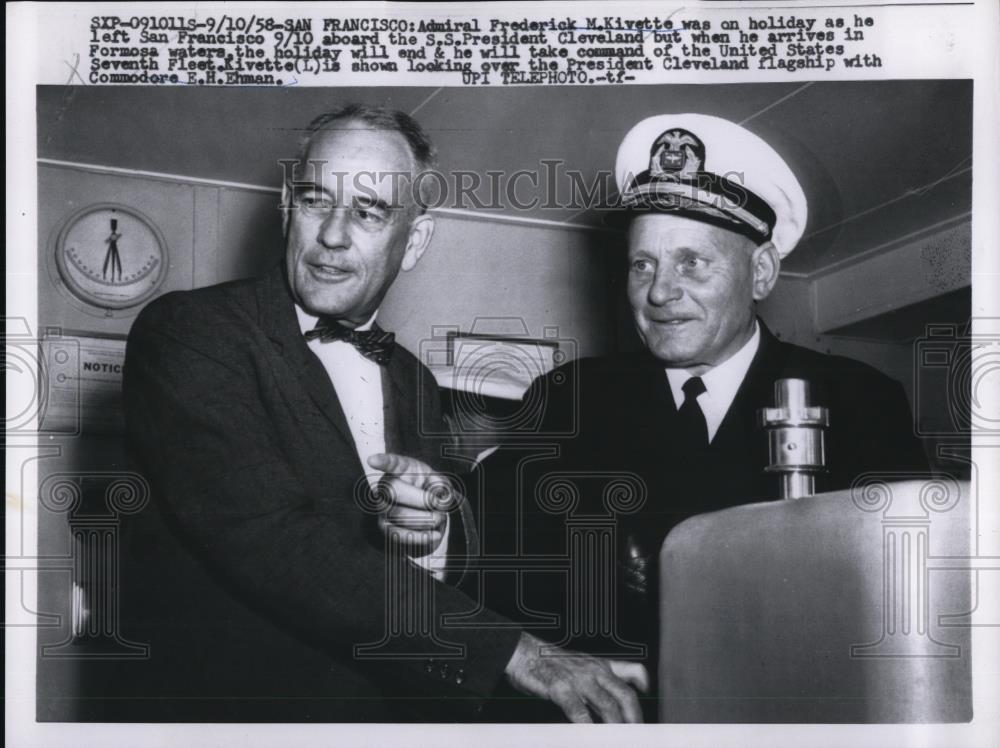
<point x="358" y="383"/>
<point x="721" y="383"/>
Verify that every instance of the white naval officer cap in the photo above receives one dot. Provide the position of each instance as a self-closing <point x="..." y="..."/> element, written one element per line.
<point x="712" y="170"/>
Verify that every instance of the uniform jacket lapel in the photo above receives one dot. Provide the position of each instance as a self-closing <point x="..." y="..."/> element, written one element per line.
<point x="756" y="391"/>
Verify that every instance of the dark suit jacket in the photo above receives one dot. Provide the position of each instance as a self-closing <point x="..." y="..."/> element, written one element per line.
<point x="256" y="573"/>
<point x="615" y="415"/>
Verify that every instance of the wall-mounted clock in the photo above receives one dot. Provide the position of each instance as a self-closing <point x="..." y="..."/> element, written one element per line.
<point x="111" y="256"/>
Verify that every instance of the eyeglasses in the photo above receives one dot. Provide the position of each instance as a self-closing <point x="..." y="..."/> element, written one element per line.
<point x="316" y="203"/>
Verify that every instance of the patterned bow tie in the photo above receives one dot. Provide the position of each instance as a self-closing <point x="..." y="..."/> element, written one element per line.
<point x="375" y="344"/>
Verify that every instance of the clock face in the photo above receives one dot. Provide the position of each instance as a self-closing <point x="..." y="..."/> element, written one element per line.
<point x="111" y="256"/>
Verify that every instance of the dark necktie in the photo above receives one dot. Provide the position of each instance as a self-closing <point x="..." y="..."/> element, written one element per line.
<point x="692" y="419"/>
<point x="375" y="344"/>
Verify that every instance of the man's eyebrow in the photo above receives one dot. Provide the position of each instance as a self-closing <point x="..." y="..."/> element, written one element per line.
<point x="698" y="249"/>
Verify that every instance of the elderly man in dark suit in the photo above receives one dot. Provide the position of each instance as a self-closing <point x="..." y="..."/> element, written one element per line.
<point x="710" y="210"/>
<point x="272" y="582"/>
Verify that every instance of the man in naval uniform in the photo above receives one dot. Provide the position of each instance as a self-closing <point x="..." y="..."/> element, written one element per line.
<point x="710" y="209"/>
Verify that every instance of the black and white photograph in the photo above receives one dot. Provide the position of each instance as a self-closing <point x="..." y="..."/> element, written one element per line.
<point x="519" y="405"/>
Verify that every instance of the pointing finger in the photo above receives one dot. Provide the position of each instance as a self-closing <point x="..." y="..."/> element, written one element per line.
<point x="389" y="462"/>
<point x="406" y="469"/>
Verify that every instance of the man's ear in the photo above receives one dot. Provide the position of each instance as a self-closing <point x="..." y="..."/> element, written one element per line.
<point x="286" y="208"/>
<point x="765" y="264"/>
<point x="421" y="231"/>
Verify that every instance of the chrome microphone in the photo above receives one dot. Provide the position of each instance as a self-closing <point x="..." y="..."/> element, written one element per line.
<point x="795" y="438"/>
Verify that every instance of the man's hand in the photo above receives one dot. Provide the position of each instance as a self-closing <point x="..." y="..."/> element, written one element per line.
<point x="421" y="497"/>
<point x="577" y="683"/>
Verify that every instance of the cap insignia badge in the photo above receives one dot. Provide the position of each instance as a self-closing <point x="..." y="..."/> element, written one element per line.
<point x="676" y="154"/>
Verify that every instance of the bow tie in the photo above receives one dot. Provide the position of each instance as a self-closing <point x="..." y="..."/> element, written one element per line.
<point x="375" y="344"/>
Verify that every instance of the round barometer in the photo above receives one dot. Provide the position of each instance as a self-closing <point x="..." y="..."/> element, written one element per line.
<point x="111" y="256"/>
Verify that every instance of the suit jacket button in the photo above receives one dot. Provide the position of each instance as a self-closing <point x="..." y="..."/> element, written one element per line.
<point x="460" y="676"/>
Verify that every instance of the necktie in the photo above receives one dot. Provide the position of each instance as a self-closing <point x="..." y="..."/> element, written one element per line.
<point x="375" y="344"/>
<point x="693" y="425"/>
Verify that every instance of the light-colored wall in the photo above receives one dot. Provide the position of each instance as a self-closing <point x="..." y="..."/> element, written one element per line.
<point x="908" y="273"/>
<point x="500" y="277"/>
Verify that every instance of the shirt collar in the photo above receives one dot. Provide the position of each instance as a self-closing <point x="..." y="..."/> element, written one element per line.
<point x="308" y="321"/>
<point x="722" y="381"/>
